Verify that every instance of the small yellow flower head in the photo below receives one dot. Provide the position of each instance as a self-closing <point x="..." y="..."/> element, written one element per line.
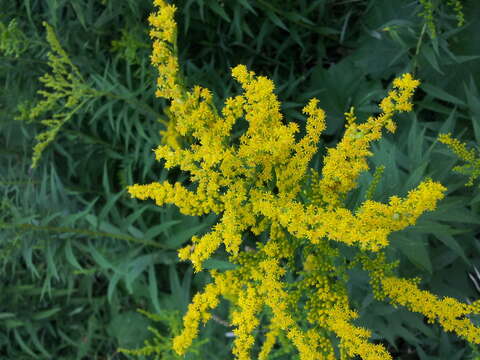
<point x="406" y="86"/>
<point x="310" y="263"/>
<point x="350" y="116"/>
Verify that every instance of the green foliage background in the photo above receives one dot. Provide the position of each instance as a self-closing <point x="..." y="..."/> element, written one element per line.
<point x="78" y="257"/>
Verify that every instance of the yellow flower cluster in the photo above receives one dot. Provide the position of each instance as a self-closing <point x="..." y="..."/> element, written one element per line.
<point x="368" y="228"/>
<point x="353" y="340"/>
<point x="450" y="313"/>
<point x="197" y="311"/>
<point x="227" y="175"/>
<point x="164" y="34"/>
<point x="348" y="159"/>
<point x="255" y="185"/>
<point x="164" y="58"/>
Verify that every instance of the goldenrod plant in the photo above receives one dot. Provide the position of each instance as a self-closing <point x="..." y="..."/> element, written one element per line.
<point x="13" y="41"/>
<point x="68" y="92"/>
<point x="255" y="186"/>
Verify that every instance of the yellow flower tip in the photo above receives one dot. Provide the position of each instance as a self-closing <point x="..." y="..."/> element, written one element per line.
<point x="131" y="189"/>
<point x="184" y="253"/>
<point x="311" y="106"/>
<point x="350" y="116"/>
<point x="406" y="81"/>
<point x="445" y="138"/>
<point x="241" y="74"/>
<point x="179" y="345"/>
<point x="387" y="105"/>
<point x="197" y="267"/>
<point x="135" y="191"/>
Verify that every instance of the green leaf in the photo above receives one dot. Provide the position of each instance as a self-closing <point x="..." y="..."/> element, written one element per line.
<point x="129" y="329"/>
<point x="154" y="231"/>
<point x="153" y="288"/>
<point x="427" y="51"/>
<point x="181" y="237"/>
<point x="211" y="264"/>
<point x="453" y="244"/>
<point x="45" y="314"/>
<point x="136" y="267"/>
<point x="103" y="225"/>
<point x="109" y="205"/>
<point x="414" y="247"/>
<point x="22" y="344"/>
<point x="276" y="20"/>
<point x="112" y="285"/>
<point x="247" y="6"/>
<point x="215" y="6"/>
<point x="6" y="315"/>
<point x="80" y="14"/>
<point x="441" y="94"/>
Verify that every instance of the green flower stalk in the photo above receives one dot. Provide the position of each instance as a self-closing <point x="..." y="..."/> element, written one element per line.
<point x="472" y="161"/>
<point x="67" y="92"/>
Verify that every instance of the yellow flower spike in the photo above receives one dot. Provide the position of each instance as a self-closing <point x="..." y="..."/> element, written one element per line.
<point x="368" y="229"/>
<point x="164" y="56"/>
<point x="165" y="193"/>
<point x="450" y="313"/>
<point x="268" y="344"/>
<point x="290" y="175"/>
<point x="353" y="340"/>
<point x="197" y="311"/>
<point x="246" y="321"/>
<point x="459" y="148"/>
<point x="344" y="163"/>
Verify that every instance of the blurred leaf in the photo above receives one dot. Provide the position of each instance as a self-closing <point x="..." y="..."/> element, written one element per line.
<point x="129" y="328"/>
<point x="441" y="94"/>
<point x="414" y="248"/>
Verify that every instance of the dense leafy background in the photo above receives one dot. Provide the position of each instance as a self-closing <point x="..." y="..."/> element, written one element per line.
<point x="78" y="256"/>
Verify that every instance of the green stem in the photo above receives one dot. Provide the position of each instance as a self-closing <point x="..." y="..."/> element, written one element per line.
<point x="417" y="50"/>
